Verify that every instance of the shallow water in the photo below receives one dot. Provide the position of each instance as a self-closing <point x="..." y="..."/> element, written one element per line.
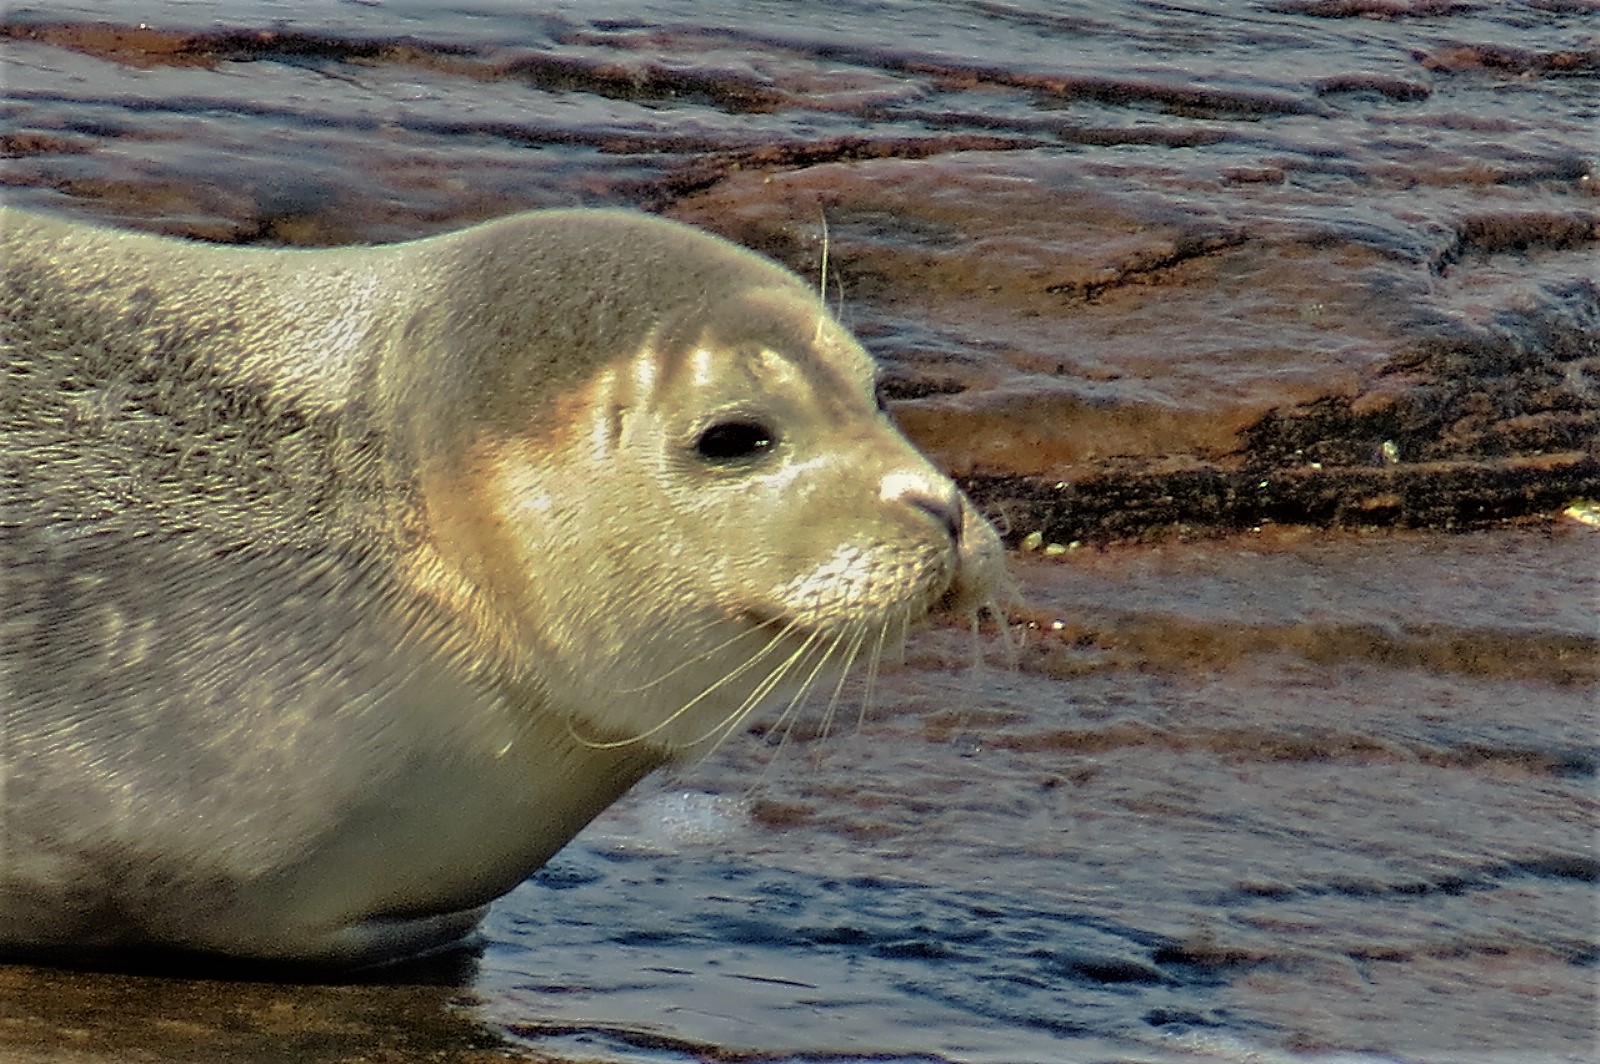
<point x="1245" y="795"/>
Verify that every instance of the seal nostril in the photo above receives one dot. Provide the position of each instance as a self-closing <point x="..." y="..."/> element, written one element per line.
<point x="928" y="492"/>
<point x="946" y="511"/>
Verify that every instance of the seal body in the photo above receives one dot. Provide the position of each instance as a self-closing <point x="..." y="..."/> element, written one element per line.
<point x="340" y="588"/>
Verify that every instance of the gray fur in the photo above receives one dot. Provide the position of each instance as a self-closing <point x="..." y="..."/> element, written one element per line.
<point x="206" y="662"/>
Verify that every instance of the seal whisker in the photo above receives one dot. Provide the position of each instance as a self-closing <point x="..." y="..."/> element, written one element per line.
<point x="706" y="692"/>
<point x="1011" y="638"/>
<point x="972" y="681"/>
<point x="1009" y="644"/>
<point x="790" y="717"/>
<point x="858" y="638"/>
<point x="822" y="283"/>
<point x="874" y="663"/>
<point x="858" y="634"/>
<point x="706" y="655"/>
<point x="751" y="701"/>
<point x="786" y="721"/>
<point x="754" y="699"/>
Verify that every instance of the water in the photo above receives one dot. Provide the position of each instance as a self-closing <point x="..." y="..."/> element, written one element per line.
<point x="1263" y="790"/>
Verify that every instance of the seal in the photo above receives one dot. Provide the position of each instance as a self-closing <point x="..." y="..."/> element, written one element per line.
<point x="340" y="588"/>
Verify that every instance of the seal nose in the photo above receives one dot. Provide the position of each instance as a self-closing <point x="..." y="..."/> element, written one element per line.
<point x="939" y="501"/>
<point x="946" y="511"/>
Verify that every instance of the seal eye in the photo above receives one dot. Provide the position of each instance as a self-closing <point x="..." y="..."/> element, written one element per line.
<point x="732" y="441"/>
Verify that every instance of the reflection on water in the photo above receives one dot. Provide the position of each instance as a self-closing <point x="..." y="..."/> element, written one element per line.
<point x="1255" y="796"/>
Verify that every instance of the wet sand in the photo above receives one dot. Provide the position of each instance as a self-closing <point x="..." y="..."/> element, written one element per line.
<point x="1270" y="339"/>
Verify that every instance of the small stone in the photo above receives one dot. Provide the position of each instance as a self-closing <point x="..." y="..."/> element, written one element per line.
<point x="1583" y="511"/>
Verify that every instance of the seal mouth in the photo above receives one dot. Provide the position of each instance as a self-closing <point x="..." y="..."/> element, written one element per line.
<point x="780" y="627"/>
<point x="772" y="623"/>
<point x="778" y="624"/>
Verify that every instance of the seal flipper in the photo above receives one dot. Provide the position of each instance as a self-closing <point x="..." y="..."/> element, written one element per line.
<point x="381" y="942"/>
